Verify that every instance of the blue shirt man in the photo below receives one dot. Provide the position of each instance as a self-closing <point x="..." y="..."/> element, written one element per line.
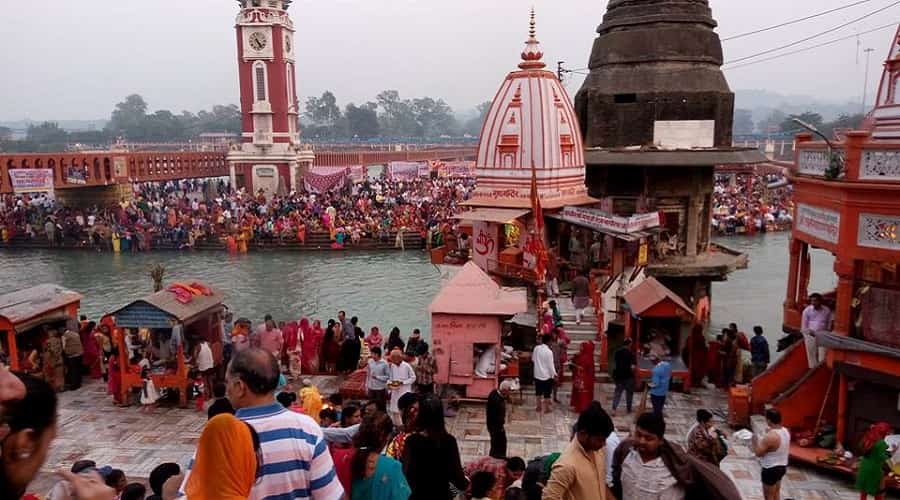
<point x="759" y="351"/>
<point x="659" y="383"/>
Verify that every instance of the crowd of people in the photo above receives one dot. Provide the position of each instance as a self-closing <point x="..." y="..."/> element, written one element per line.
<point x="178" y="214"/>
<point x="751" y="203"/>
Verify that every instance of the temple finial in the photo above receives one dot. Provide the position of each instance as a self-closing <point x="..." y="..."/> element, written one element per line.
<point x="531" y="56"/>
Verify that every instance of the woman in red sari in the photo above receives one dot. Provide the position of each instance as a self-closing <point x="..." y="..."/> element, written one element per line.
<point x="309" y="354"/>
<point x="695" y="355"/>
<point x="583" y="377"/>
<point x="91" y="349"/>
<point x="374" y="338"/>
<point x="290" y="332"/>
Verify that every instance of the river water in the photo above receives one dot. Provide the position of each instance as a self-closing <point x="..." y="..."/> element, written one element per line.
<point x="382" y="288"/>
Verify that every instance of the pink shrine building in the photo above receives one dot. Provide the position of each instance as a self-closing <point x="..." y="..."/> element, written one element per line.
<point x="531" y="125"/>
<point x="269" y="155"/>
<point x="466" y="325"/>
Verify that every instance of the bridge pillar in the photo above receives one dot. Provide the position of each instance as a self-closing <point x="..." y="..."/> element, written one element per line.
<point x="88" y="196"/>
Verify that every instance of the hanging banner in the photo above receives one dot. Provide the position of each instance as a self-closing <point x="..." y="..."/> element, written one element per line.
<point x="321" y="183"/>
<point x="603" y="222"/>
<point x="405" y="170"/>
<point x="31" y="180"/>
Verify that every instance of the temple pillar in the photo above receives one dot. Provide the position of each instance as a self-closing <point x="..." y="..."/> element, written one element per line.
<point x="793" y="270"/>
<point x="693" y="229"/>
<point x="844" y="271"/>
<point x="841" y="424"/>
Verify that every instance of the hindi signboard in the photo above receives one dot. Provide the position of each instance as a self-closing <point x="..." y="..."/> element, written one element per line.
<point x="818" y="222"/>
<point x="31" y="180"/>
<point x="601" y="221"/>
<point x="684" y="134"/>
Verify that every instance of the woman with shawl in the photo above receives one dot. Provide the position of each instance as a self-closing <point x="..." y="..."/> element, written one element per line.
<point x="394" y="341"/>
<point x="374" y="338"/>
<point x="583" y="377"/>
<point x="227" y="461"/>
<point x="873" y="464"/>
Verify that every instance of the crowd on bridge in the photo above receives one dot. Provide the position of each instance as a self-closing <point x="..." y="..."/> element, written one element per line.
<point x="751" y="203"/>
<point x="181" y="214"/>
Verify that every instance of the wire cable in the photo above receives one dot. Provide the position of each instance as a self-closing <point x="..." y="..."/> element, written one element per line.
<point x="805" y="49"/>
<point x="795" y="21"/>
<point x="848" y="23"/>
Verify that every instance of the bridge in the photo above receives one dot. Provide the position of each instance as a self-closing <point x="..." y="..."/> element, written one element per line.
<point x="108" y="168"/>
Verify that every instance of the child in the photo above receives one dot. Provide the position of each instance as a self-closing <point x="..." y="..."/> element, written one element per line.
<point x="482" y="484"/>
<point x="149" y="394"/>
<point x="221" y="403"/>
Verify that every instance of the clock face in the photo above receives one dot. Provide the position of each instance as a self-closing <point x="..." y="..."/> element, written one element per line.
<point x="287" y="43"/>
<point x="258" y="41"/>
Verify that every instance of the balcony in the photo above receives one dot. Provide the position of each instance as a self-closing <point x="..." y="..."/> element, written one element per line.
<point x="864" y="159"/>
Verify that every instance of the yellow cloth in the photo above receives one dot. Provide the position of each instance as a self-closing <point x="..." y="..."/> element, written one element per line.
<point x="311" y="401"/>
<point x="225" y="464"/>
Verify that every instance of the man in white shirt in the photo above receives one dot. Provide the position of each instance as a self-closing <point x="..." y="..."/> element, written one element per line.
<point x="401" y="382"/>
<point x="544" y="374"/>
<point x="206" y="366"/>
<point x="643" y="474"/>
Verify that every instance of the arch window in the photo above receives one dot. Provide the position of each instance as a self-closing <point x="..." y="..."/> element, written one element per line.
<point x="260" y="79"/>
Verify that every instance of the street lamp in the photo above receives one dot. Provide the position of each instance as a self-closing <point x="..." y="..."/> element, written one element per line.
<point x="835" y="161"/>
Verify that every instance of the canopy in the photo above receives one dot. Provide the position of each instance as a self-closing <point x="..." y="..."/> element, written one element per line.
<point x="472" y="291"/>
<point x="642" y="298"/>
<point x="500" y="215"/>
<point x="23" y="305"/>
<point x="163" y="310"/>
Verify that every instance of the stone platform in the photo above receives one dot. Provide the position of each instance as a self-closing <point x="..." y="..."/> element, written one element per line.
<point x="137" y="440"/>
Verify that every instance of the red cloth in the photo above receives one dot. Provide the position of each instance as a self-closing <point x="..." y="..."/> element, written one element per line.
<point x="714" y="362"/>
<point x="309" y="357"/>
<point x="91" y="357"/>
<point x="291" y="332"/>
<point x="343" y="458"/>
<point x="583" y="378"/>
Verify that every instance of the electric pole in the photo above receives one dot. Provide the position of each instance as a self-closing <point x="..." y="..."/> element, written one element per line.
<point x="560" y="70"/>
<point x="866" y="80"/>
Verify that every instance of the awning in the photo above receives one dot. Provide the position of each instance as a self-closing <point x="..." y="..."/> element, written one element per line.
<point x="499" y="215"/>
<point x="835" y="341"/>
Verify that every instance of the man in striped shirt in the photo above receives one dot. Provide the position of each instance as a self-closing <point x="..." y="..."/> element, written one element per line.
<point x="295" y="459"/>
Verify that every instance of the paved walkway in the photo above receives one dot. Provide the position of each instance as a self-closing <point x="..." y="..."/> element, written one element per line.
<point x="136" y="441"/>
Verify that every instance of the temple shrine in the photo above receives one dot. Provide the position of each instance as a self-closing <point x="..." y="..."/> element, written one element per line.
<point x="844" y="378"/>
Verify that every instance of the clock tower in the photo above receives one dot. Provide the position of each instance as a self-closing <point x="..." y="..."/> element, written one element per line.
<point x="269" y="155"/>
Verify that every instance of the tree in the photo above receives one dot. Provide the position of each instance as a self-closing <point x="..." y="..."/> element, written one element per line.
<point x="128" y="118"/>
<point x="362" y="121"/>
<point x="397" y="118"/>
<point x="323" y="110"/>
<point x="47" y="133"/>
<point x="810" y="118"/>
<point x="473" y="125"/>
<point x="743" y="122"/>
<point x="434" y="117"/>
<point x="843" y="122"/>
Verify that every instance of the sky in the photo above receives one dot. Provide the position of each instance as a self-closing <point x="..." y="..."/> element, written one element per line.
<point x="66" y="59"/>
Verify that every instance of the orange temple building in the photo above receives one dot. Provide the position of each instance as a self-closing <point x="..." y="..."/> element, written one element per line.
<point x="847" y="196"/>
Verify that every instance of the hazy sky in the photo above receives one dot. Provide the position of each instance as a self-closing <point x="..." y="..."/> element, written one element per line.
<point x="67" y="59"/>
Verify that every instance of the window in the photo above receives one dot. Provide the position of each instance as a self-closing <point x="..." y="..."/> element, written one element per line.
<point x="625" y="98"/>
<point x="291" y="97"/>
<point x="260" y="81"/>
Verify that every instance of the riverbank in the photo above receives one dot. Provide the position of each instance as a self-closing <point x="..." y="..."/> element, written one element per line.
<point x="315" y="241"/>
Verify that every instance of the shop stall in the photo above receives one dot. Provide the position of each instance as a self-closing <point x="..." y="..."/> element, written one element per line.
<point x="164" y="328"/>
<point x="27" y="315"/>
<point x="467" y="316"/>
<point x="658" y="324"/>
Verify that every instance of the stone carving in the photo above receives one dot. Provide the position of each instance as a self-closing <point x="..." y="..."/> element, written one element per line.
<point x="880" y="165"/>
<point x="264" y="17"/>
<point x="813" y="162"/>
<point x="879" y="231"/>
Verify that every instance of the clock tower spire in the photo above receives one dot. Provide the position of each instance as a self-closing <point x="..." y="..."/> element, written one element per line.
<point x="269" y="155"/>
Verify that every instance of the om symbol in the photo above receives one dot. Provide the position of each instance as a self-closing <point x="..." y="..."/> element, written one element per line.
<point x="484" y="244"/>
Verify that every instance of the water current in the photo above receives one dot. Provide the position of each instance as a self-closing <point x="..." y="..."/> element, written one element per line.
<point x="382" y="288"/>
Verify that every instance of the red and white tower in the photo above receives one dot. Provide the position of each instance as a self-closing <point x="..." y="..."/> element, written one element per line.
<point x="269" y="156"/>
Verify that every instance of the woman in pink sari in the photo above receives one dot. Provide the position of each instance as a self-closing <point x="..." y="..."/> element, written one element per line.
<point x="312" y="345"/>
<point x="374" y="338"/>
<point x="583" y="377"/>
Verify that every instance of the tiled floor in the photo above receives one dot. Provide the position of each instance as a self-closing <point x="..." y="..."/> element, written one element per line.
<point x="136" y="441"/>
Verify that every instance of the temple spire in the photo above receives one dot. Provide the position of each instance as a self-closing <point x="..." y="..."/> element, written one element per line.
<point x="531" y="56"/>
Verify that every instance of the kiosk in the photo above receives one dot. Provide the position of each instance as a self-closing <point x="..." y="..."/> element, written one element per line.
<point x="171" y="322"/>
<point x="23" y="312"/>
<point x="466" y="326"/>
